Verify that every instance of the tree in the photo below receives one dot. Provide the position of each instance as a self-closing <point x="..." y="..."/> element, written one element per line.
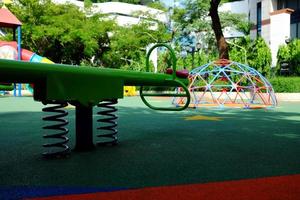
<point x="142" y="2"/>
<point x="216" y="26"/>
<point x="260" y="57"/>
<point x="65" y="34"/>
<point x="61" y="32"/>
<point x="194" y="16"/>
<point x="127" y="47"/>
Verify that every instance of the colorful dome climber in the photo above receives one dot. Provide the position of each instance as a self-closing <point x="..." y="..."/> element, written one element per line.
<point x="225" y="83"/>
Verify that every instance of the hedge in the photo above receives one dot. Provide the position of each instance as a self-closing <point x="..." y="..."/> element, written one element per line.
<point x="286" y="84"/>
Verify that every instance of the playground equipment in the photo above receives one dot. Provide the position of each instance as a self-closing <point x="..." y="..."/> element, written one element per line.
<point x="225" y="83"/>
<point x="129" y="91"/>
<point x="12" y="50"/>
<point x="183" y="74"/>
<point x="8" y="20"/>
<point x="9" y="50"/>
<point x="85" y="87"/>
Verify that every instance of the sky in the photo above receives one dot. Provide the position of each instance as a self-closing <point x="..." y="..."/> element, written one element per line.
<point x="167" y="2"/>
<point x="170" y="2"/>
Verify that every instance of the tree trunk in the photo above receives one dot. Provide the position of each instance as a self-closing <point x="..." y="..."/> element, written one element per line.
<point x="216" y="26"/>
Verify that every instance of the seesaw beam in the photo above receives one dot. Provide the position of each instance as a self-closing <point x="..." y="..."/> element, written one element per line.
<point x="81" y="86"/>
<point x="86" y="85"/>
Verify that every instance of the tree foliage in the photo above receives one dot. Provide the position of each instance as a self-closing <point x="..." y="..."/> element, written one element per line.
<point x="128" y="45"/>
<point x="61" y="32"/>
<point x="240" y="49"/>
<point x="142" y="2"/>
<point x="195" y="16"/>
<point x="257" y="54"/>
<point x="65" y="34"/>
<point x="260" y="57"/>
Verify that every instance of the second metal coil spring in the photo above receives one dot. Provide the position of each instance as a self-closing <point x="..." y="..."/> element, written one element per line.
<point x="58" y="140"/>
<point x="109" y="137"/>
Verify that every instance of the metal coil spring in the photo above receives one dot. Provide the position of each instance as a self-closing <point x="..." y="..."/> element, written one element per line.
<point x="58" y="141"/>
<point x="109" y="137"/>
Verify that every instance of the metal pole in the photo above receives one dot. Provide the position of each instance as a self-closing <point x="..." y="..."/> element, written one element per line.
<point x="84" y="128"/>
<point x="19" y="56"/>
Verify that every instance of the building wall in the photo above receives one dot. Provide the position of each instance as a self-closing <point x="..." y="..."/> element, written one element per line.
<point x="280" y="31"/>
<point x="273" y="5"/>
<point x="265" y="23"/>
<point x="266" y="8"/>
<point x="275" y="25"/>
<point x="6" y="1"/>
<point x="123" y="13"/>
<point x="239" y="7"/>
<point x="252" y="18"/>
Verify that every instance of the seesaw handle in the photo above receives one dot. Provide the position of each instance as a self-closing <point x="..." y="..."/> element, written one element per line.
<point x="186" y="94"/>
<point x="174" y="80"/>
<point x="173" y="57"/>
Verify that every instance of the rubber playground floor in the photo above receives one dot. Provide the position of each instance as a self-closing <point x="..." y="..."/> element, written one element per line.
<point x="192" y="154"/>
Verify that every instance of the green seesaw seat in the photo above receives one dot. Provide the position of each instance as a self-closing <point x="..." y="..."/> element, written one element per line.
<point x="179" y="73"/>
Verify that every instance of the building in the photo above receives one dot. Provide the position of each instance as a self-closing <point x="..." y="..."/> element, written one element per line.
<point x="277" y="21"/>
<point x="238" y="7"/>
<point x="124" y="13"/>
<point x="6" y="1"/>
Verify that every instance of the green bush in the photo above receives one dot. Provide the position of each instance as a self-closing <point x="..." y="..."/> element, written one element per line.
<point x="258" y="54"/>
<point x="239" y="49"/>
<point x="290" y="53"/>
<point x="286" y="84"/>
<point x="259" y="57"/>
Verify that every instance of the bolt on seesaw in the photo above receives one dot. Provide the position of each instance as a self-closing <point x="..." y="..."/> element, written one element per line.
<point x="62" y="84"/>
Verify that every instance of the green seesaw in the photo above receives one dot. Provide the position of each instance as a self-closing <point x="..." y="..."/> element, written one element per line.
<point x="86" y="87"/>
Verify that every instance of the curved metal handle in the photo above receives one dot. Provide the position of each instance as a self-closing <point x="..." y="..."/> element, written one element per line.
<point x="172" y="53"/>
<point x="187" y="95"/>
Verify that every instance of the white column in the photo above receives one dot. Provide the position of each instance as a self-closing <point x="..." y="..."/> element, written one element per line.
<point x="279" y="30"/>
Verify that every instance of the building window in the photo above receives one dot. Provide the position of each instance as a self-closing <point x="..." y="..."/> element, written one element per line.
<point x="294" y="4"/>
<point x="293" y="31"/>
<point x="281" y="4"/>
<point x="258" y="10"/>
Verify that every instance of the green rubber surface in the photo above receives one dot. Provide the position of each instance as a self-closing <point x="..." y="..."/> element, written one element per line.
<point x="155" y="148"/>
